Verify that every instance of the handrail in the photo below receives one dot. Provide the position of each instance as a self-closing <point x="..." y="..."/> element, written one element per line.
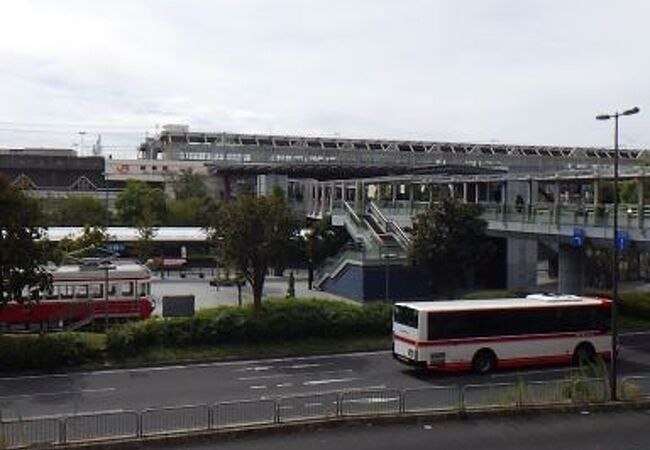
<point x="118" y="425"/>
<point x="391" y="227"/>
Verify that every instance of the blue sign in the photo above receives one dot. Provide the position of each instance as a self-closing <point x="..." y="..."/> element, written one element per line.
<point x="115" y="247"/>
<point x="622" y="240"/>
<point x="578" y="238"/>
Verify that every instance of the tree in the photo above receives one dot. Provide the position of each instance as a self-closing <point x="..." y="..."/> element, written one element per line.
<point x="189" y="184"/>
<point x="146" y="233"/>
<point x="23" y="252"/>
<point x="323" y="240"/>
<point x="138" y="197"/>
<point x="448" y="239"/>
<point x="77" y="210"/>
<point x="252" y="234"/>
<point x="189" y="211"/>
<point x="91" y="240"/>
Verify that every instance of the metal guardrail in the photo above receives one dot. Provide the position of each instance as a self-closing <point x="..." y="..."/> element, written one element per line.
<point x="107" y="426"/>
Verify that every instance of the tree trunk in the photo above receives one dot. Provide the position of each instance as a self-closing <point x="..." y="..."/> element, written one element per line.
<point x="257" y="285"/>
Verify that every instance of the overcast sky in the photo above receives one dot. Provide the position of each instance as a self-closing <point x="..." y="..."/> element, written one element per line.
<point x="504" y="71"/>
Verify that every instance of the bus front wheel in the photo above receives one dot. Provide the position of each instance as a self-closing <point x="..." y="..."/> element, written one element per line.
<point x="484" y="361"/>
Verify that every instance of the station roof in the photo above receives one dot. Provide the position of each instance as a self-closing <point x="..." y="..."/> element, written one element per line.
<point x="130" y="234"/>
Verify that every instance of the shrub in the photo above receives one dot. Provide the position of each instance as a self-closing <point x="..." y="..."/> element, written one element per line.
<point x="277" y="320"/>
<point x="46" y="352"/>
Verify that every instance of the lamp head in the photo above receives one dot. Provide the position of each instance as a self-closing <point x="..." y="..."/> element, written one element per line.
<point x="603" y="117"/>
<point x="630" y="111"/>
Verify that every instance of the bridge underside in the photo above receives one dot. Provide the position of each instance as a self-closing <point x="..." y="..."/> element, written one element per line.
<point x="333" y="171"/>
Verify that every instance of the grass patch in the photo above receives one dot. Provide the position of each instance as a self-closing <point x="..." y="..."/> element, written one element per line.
<point x="311" y="346"/>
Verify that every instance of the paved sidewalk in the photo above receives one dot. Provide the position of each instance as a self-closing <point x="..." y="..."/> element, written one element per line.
<point x="207" y="296"/>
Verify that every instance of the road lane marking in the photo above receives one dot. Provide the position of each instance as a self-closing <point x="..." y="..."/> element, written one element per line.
<point x="70" y="392"/>
<point x="322" y="393"/>
<point x="254" y="369"/>
<point x="263" y="377"/>
<point x="371" y="400"/>
<point x="328" y="381"/>
<point x="295" y="374"/>
<point x="261" y="386"/>
<point x="282" y="385"/>
<point x="304" y="366"/>
<point x="531" y="372"/>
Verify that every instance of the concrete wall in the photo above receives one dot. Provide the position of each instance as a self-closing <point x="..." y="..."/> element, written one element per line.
<point x="369" y="283"/>
<point x="521" y="263"/>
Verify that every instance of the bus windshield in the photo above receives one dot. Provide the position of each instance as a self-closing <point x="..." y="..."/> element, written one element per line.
<point x="406" y="316"/>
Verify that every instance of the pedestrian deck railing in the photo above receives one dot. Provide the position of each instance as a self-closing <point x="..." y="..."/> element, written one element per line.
<point x="151" y="422"/>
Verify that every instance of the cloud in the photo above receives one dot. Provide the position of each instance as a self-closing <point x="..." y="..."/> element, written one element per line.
<point x="530" y="72"/>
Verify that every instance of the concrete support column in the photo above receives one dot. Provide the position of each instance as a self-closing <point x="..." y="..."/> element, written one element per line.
<point x="411" y="191"/>
<point x="332" y="197"/>
<point x="266" y="183"/>
<point x="393" y="194"/>
<point x="571" y="270"/>
<point x="596" y="192"/>
<point x="477" y="191"/>
<point x="465" y="192"/>
<point x="504" y="200"/>
<point x="521" y="263"/>
<point x="556" y="202"/>
<point x="358" y="197"/>
<point x="640" y="198"/>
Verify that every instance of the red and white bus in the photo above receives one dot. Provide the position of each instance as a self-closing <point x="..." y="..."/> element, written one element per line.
<point x="483" y="335"/>
<point x="77" y="298"/>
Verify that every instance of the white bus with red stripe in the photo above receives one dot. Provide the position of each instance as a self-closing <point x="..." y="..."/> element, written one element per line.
<point x="483" y="335"/>
<point x="78" y="297"/>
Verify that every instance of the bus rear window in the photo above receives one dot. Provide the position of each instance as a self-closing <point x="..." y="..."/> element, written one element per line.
<point x="406" y="316"/>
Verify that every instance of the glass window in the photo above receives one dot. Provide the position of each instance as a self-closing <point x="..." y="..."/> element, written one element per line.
<point x="127" y="289"/>
<point x="67" y="291"/>
<point x="52" y="294"/>
<point x="81" y="291"/>
<point x="142" y="289"/>
<point x="112" y="289"/>
<point x="406" y="316"/>
<point x="97" y="290"/>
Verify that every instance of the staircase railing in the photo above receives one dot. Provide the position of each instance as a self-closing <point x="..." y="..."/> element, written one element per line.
<point x="390" y="226"/>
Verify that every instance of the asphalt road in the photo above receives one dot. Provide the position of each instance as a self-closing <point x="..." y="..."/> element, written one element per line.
<point x="576" y="431"/>
<point x="137" y="389"/>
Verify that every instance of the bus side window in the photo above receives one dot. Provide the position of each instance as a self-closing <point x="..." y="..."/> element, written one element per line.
<point x="112" y="289"/>
<point x="81" y="292"/>
<point x="127" y="289"/>
<point x="97" y="290"/>
<point x="52" y="294"/>
<point x="144" y="289"/>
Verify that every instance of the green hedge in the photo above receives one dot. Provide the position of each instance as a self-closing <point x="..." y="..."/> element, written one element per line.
<point x="635" y="304"/>
<point x="632" y="304"/>
<point x="277" y="320"/>
<point x="46" y="352"/>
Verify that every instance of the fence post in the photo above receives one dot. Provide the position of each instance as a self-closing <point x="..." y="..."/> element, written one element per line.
<point x="461" y="399"/>
<point x="210" y="417"/>
<point x="276" y="412"/>
<point x="339" y="405"/>
<point x="402" y="406"/>
<point x="63" y="430"/>
<point x="139" y="428"/>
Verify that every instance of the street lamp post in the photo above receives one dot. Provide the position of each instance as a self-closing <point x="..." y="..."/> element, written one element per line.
<point x="614" y="350"/>
<point x="106" y="266"/>
<point x="387" y="257"/>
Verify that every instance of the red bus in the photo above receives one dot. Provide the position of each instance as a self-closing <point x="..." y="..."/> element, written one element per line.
<point x="483" y="335"/>
<point x="77" y="298"/>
